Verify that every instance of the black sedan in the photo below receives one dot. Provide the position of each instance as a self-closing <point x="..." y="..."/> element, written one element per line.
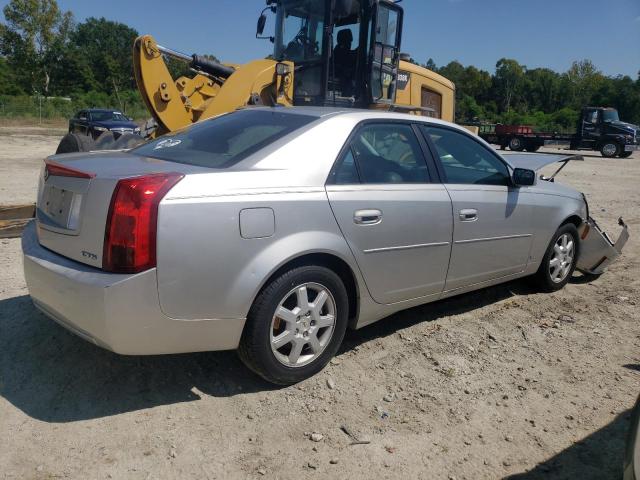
<point x="94" y="122"/>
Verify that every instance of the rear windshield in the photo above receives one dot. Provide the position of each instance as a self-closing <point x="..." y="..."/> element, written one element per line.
<point x="226" y="140"/>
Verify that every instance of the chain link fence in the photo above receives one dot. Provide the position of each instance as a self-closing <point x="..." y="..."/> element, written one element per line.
<point x="53" y="113"/>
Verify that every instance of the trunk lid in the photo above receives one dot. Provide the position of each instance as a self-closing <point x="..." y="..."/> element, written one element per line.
<point x="71" y="211"/>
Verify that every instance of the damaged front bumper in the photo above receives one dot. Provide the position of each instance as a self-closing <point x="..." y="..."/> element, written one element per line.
<point x="597" y="250"/>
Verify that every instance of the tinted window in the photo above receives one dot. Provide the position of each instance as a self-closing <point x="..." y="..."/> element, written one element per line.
<point x="389" y="153"/>
<point x="226" y="140"/>
<point x="466" y="161"/>
<point x="107" y="116"/>
<point x="346" y="172"/>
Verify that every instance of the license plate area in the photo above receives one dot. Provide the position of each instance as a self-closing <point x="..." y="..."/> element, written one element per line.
<point x="61" y="208"/>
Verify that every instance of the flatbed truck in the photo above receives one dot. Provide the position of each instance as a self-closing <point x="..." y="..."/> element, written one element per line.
<point x="599" y="129"/>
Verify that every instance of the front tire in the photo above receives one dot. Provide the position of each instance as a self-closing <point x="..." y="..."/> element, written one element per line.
<point x="626" y="154"/>
<point x="559" y="261"/>
<point x="610" y="149"/>
<point x="295" y="325"/>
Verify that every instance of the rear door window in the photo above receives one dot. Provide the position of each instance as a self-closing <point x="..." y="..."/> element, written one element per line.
<point x="226" y="140"/>
<point x="387" y="153"/>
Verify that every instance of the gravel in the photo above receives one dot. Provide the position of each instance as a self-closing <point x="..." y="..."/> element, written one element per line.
<point x="68" y="408"/>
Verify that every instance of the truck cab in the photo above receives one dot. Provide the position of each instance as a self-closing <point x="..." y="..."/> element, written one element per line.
<point x="600" y="128"/>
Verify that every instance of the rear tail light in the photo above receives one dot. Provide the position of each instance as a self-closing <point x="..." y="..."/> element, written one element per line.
<point x="130" y="235"/>
<point x="58" y="170"/>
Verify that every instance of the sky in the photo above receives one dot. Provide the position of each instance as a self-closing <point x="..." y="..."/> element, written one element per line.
<point x="537" y="33"/>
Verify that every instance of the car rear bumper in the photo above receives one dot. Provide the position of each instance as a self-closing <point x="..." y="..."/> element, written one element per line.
<point x="117" y="312"/>
<point x="597" y="250"/>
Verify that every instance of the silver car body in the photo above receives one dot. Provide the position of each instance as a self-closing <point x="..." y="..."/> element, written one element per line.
<point x="222" y="234"/>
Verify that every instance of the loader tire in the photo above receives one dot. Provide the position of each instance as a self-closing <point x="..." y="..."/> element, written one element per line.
<point x="105" y="141"/>
<point x="127" y="141"/>
<point x="74" y="143"/>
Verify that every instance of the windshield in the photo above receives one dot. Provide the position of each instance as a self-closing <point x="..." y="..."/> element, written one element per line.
<point x="108" y="116"/>
<point x="610" y="116"/>
<point x="225" y="140"/>
<point x="299" y="30"/>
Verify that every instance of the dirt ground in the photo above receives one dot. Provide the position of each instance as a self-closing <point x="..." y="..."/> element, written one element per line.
<point x="504" y="382"/>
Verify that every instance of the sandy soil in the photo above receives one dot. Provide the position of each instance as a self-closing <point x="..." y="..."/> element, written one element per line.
<point x="21" y="156"/>
<point x="504" y="382"/>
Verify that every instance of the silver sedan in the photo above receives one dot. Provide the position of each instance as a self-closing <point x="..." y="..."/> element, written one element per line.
<point x="271" y="231"/>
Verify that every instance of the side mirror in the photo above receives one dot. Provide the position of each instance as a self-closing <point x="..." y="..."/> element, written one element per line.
<point x="523" y="177"/>
<point x="261" y="23"/>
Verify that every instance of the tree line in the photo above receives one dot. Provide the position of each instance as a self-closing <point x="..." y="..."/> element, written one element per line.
<point x="45" y="52"/>
<point x="541" y="97"/>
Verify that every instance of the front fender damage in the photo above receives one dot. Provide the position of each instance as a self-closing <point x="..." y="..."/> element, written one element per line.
<point x="597" y="250"/>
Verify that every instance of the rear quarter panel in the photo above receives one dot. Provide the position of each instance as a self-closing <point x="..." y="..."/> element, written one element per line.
<point x="206" y="269"/>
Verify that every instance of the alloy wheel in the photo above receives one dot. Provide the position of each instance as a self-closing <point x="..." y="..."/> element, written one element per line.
<point x="303" y="325"/>
<point x="562" y="259"/>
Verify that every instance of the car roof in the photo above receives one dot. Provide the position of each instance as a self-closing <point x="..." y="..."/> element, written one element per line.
<point x="110" y="110"/>
<point x="358" y="115"/>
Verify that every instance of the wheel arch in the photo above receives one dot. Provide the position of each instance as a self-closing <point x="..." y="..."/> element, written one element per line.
<point x="334" y="263"/>
<point x="575" y="219"/>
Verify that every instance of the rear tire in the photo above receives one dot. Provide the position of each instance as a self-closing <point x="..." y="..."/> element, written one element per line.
<point x="516" y="144"/>
<point x="295" y="345"/>
<point x="610" y="149"/>
<point x="532" y="148"/>
<point x="73" y="143"/>
<point x="559" y="261"/>
<point x="626" y="154"/>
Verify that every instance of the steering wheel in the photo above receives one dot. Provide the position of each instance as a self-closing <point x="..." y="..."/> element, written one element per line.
<point x="308" y="44"/>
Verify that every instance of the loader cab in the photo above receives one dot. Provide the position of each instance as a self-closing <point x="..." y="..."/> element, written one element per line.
<point x="345" y="52"/>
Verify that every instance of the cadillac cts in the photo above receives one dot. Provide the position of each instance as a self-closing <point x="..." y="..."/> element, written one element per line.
<point x="271" y="231"/>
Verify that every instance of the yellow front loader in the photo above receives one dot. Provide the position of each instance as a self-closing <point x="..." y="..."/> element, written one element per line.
<point x="343" y="53"/>
<point x="338" y="53"/>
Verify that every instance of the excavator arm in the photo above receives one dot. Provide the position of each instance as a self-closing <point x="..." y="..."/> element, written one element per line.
<point x="213" y="90"/>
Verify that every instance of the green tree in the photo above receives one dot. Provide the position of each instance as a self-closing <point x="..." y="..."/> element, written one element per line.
<point x="508" y="82"/>
<point x="583" y="80"/>
<point x="31" y="40"/>
<point x="542" y="89"/>
<point x="431" y="65"/>
<point x="103" y="48"/>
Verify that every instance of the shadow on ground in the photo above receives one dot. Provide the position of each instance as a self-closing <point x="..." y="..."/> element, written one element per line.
<point x="54" y="376"/>
<point x="598" y="457"/>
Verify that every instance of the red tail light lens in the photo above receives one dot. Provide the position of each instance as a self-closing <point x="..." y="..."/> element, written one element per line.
<point x="130" y="235"/>
<point x="58" y="170"/>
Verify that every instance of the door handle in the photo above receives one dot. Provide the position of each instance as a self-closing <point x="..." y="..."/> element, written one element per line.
<point x="367" y="217"/>
<point x="468" y="215"/>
